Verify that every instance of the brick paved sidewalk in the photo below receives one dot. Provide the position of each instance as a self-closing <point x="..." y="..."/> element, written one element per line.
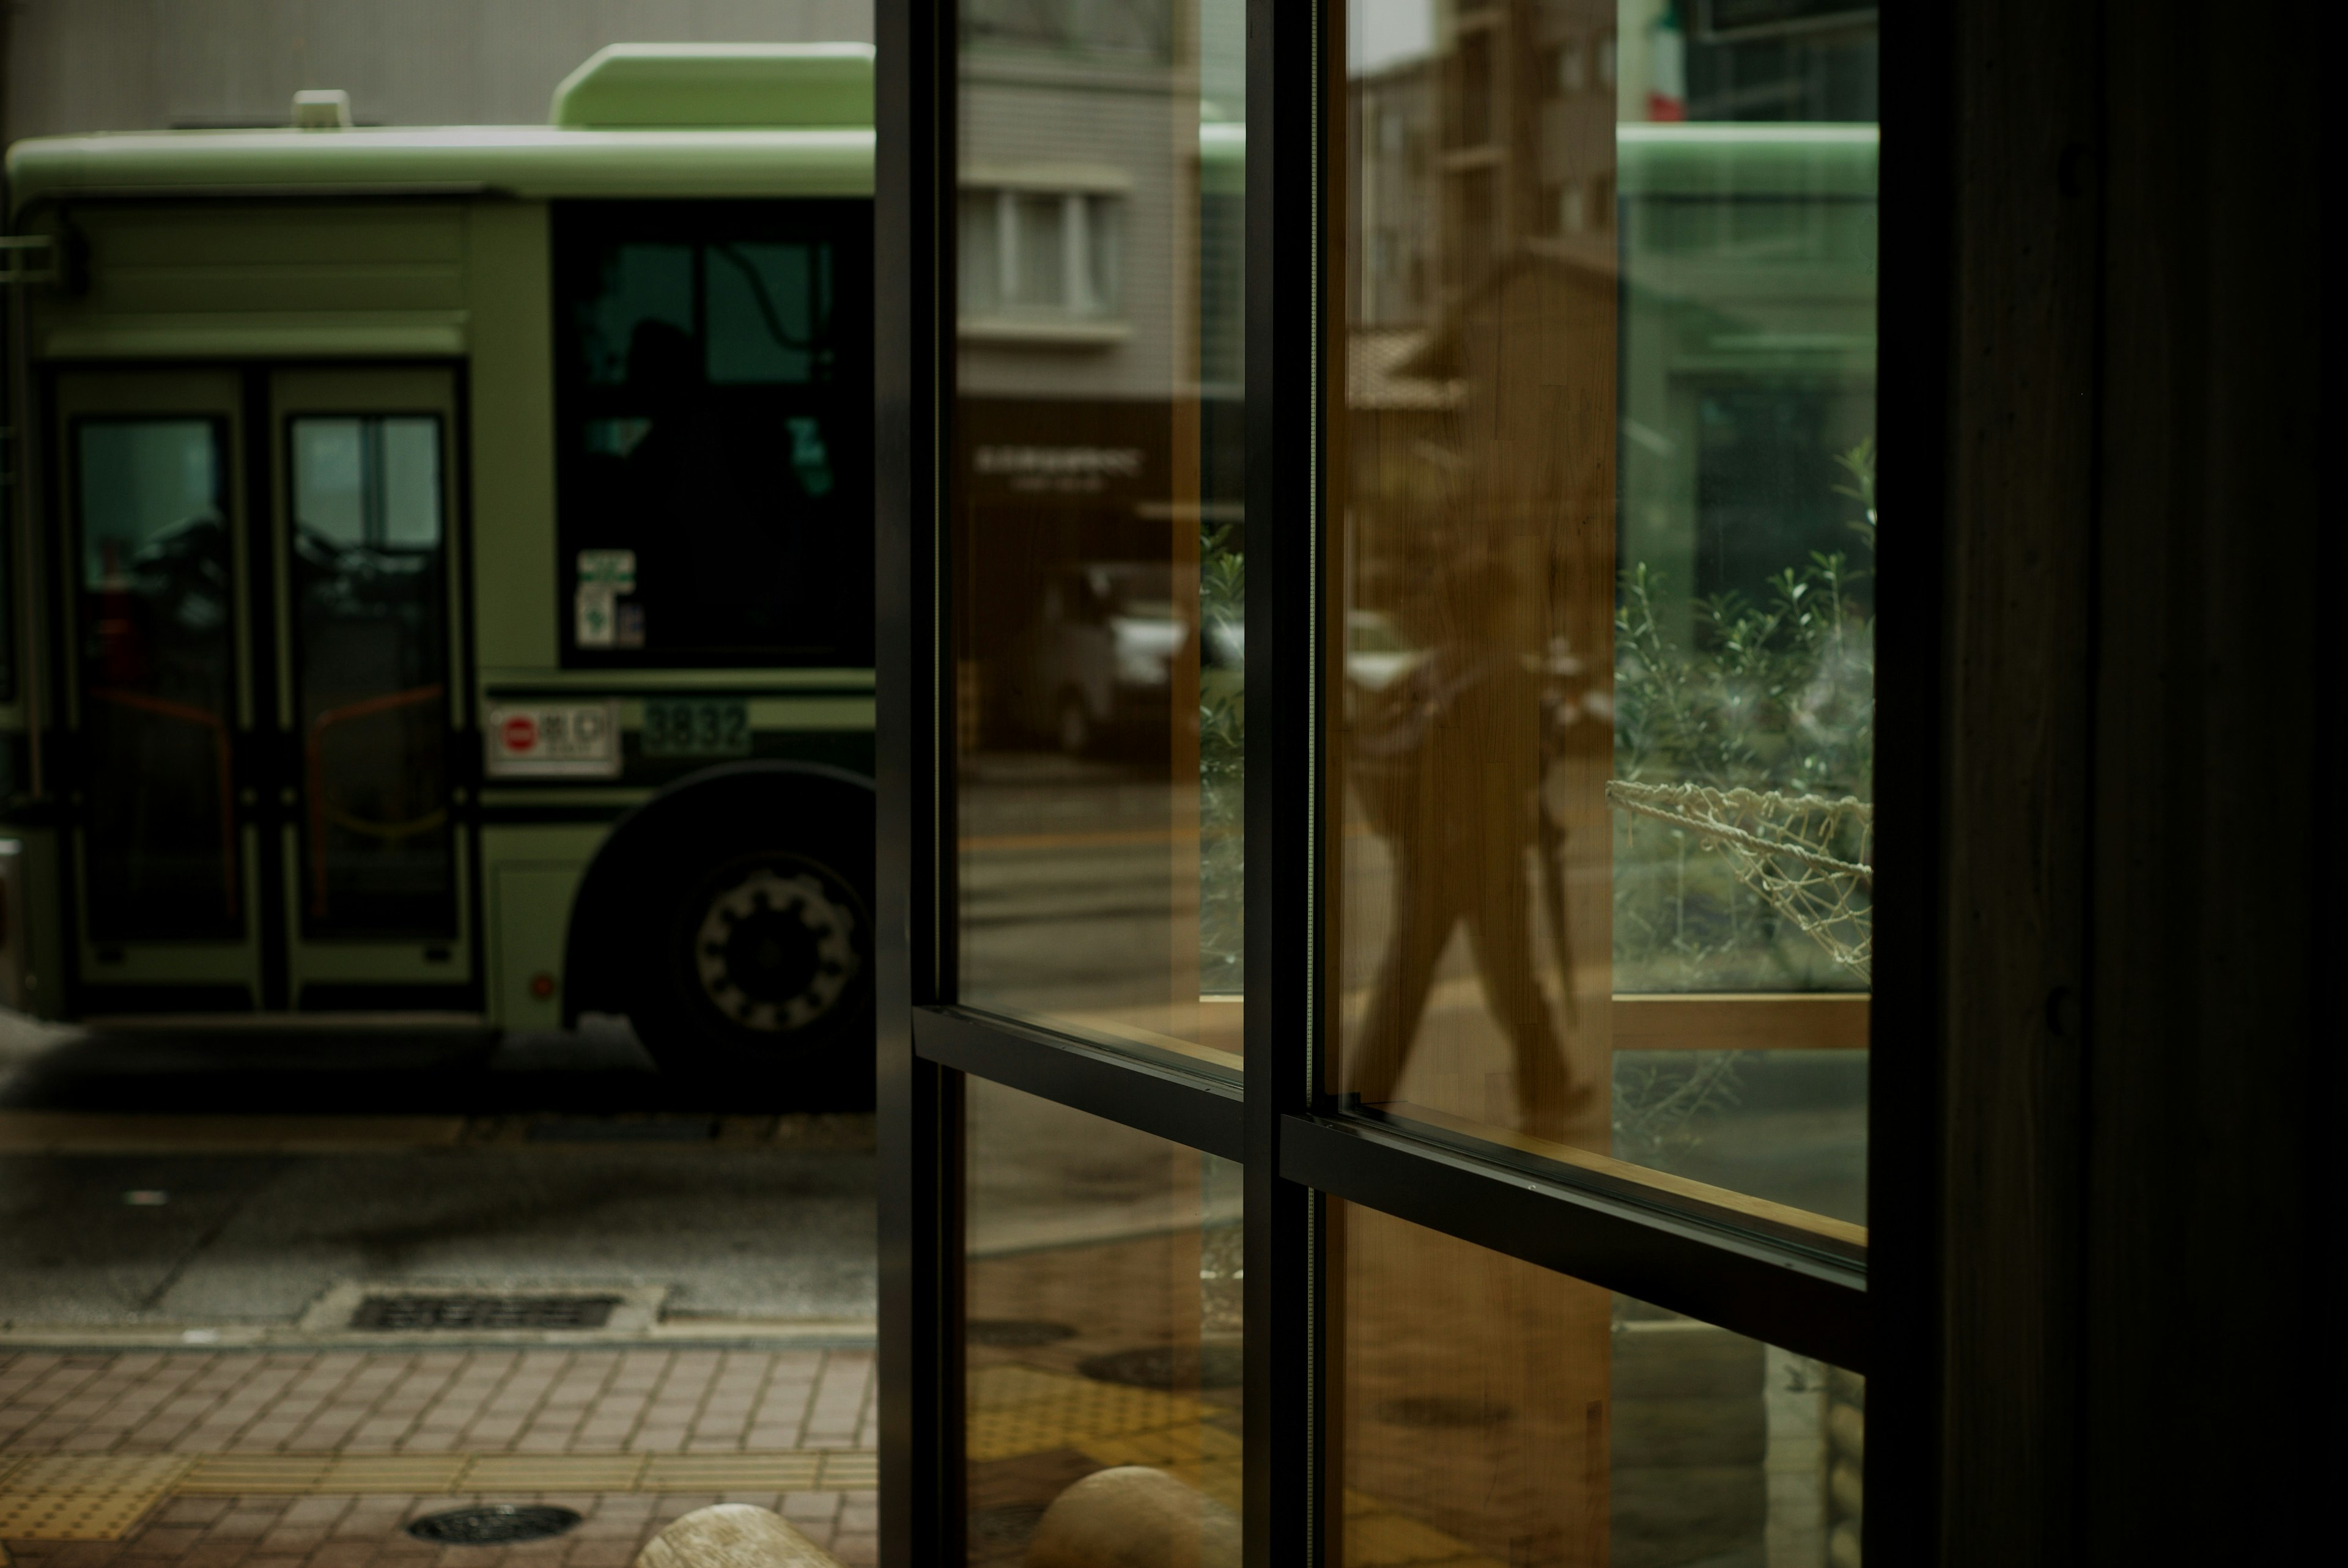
<point x="367" y="1531"/>
<point x="805" y="1413"/>
<point x="519" y="1401"/>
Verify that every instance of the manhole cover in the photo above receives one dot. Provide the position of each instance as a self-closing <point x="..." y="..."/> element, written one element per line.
<point x="1167" y="1367"/>
<point x="1437" y="1411"/>
<point x="1016" y="1333"/>
<point x="1005" y="1529"/>
<point x="442" y="1312"/>
<point x="489" y="1523"/>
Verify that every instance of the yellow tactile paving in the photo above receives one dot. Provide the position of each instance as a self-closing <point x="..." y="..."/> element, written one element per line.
<point x="1019" y="1410"/>
<point x="554" y="1473"/>
<point x="83" y="1497"/>
<point x="731" y="1473"/>
<point x="849" y="1470"/>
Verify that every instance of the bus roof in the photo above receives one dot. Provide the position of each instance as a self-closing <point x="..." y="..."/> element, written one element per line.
<point x="637" y="121"/>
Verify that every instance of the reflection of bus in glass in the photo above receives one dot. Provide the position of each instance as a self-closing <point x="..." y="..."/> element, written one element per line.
<point x="445" y="580"/>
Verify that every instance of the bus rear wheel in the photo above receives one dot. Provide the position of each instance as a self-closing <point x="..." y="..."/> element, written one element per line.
<point x="758" y="983"/>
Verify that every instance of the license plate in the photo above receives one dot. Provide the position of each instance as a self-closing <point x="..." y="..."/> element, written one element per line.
<point x="696" y="727"/>
<point x="552" y="740"/>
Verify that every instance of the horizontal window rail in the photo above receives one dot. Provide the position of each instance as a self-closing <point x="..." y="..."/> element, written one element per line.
<point x="1129" y="1088"/>
<point x="1737" y="1020"/>
<point x="1808" y="1297"/>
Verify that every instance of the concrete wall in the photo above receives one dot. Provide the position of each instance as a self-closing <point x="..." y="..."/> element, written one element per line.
<point x="149" y="65"/>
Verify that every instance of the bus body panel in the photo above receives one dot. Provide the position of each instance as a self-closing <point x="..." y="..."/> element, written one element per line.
<point x="510" y="328"/>
<point x="245" y="291"/>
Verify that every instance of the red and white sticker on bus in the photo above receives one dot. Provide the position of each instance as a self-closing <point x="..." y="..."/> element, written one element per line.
<point x="552" y="740"/>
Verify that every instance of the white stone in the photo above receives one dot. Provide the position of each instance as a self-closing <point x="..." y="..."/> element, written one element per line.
<point x="733" y="1535"/>
<point x="1134" y="1517"/>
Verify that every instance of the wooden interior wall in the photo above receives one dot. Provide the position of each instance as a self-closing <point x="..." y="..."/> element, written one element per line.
<point x="2103" y="1287"/>
<point x="2212" y="1372"/>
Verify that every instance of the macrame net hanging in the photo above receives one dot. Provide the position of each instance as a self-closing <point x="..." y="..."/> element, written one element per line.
<point x="1812" y="859"/>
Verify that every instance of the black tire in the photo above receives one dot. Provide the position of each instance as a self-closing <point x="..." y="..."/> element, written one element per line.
<point x="753" y="970"/>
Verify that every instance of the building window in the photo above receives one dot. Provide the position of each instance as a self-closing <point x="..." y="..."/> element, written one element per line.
<point x="1041" y="255"/>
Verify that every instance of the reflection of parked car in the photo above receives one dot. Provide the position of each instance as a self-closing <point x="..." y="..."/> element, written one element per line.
<point x="1099" y="655"/>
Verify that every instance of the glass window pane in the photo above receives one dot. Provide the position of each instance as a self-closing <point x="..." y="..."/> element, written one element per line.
<point x="1486" y="1413"/>
<point x="1038" y="276"/>
<point x="1603" y="535"/>
<point x="1102" y="1341"/>
<point x="157" y="674"/>
<point x="642" y="287"/>
<point x="1099" y="543"/>
<point x="371" y="676"/>
<point x="1104" y="242"/>
<point x="769" y="310"/>
<point x="411" y="483"/>
<point x="713" y="485"/>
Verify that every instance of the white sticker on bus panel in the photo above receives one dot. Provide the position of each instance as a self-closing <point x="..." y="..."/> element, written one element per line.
<point x="614" y="569"/>
<point x="552" y="740"/>
<point x="597" y="616"/>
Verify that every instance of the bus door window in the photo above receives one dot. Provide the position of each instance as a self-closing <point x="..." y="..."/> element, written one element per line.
<point x="371" y="675"/>
<point x="157" y="678"/>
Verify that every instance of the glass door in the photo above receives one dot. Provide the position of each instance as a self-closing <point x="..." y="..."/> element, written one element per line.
<point x="373" y="863"/>
<point x="153" y="494"/>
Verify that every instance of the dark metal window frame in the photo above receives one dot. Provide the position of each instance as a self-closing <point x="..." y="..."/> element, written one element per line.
<point x="1298" y="1145"/>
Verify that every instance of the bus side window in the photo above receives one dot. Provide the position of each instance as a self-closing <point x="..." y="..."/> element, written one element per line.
<point x="716" y="432"/>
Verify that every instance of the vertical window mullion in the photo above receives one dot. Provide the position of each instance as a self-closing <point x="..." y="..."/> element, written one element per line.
<point x="1284" y="1452"/>
<point x="1075" y="288"/>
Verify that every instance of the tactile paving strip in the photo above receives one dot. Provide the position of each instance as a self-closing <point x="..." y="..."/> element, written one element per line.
<point x="340" y="1475"/>
<point x="84" y="1497"/>
<point x="1017" y="1410"/>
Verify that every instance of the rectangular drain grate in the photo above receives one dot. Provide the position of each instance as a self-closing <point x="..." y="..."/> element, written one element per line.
<point x="449" y="1312"/>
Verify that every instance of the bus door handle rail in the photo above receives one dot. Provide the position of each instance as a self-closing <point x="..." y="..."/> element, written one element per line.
<point x="223" y="760"/>
<point x="316" y="769"/>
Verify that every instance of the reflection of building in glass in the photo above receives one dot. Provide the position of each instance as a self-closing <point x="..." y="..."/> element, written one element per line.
<point x="1101" y="315"/>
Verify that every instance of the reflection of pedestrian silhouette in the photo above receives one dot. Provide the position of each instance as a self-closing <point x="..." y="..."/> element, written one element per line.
<point x="1447" y="766"/>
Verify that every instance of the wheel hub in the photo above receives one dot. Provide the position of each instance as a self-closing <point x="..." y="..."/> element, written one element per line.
<point x="776" y="951"/>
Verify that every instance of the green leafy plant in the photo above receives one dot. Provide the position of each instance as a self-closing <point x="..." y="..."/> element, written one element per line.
<point x="1774" y="692"/>
<point x="1222" y="745"/>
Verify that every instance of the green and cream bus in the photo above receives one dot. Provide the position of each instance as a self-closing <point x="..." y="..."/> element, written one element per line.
<point x="440" y="564"/>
